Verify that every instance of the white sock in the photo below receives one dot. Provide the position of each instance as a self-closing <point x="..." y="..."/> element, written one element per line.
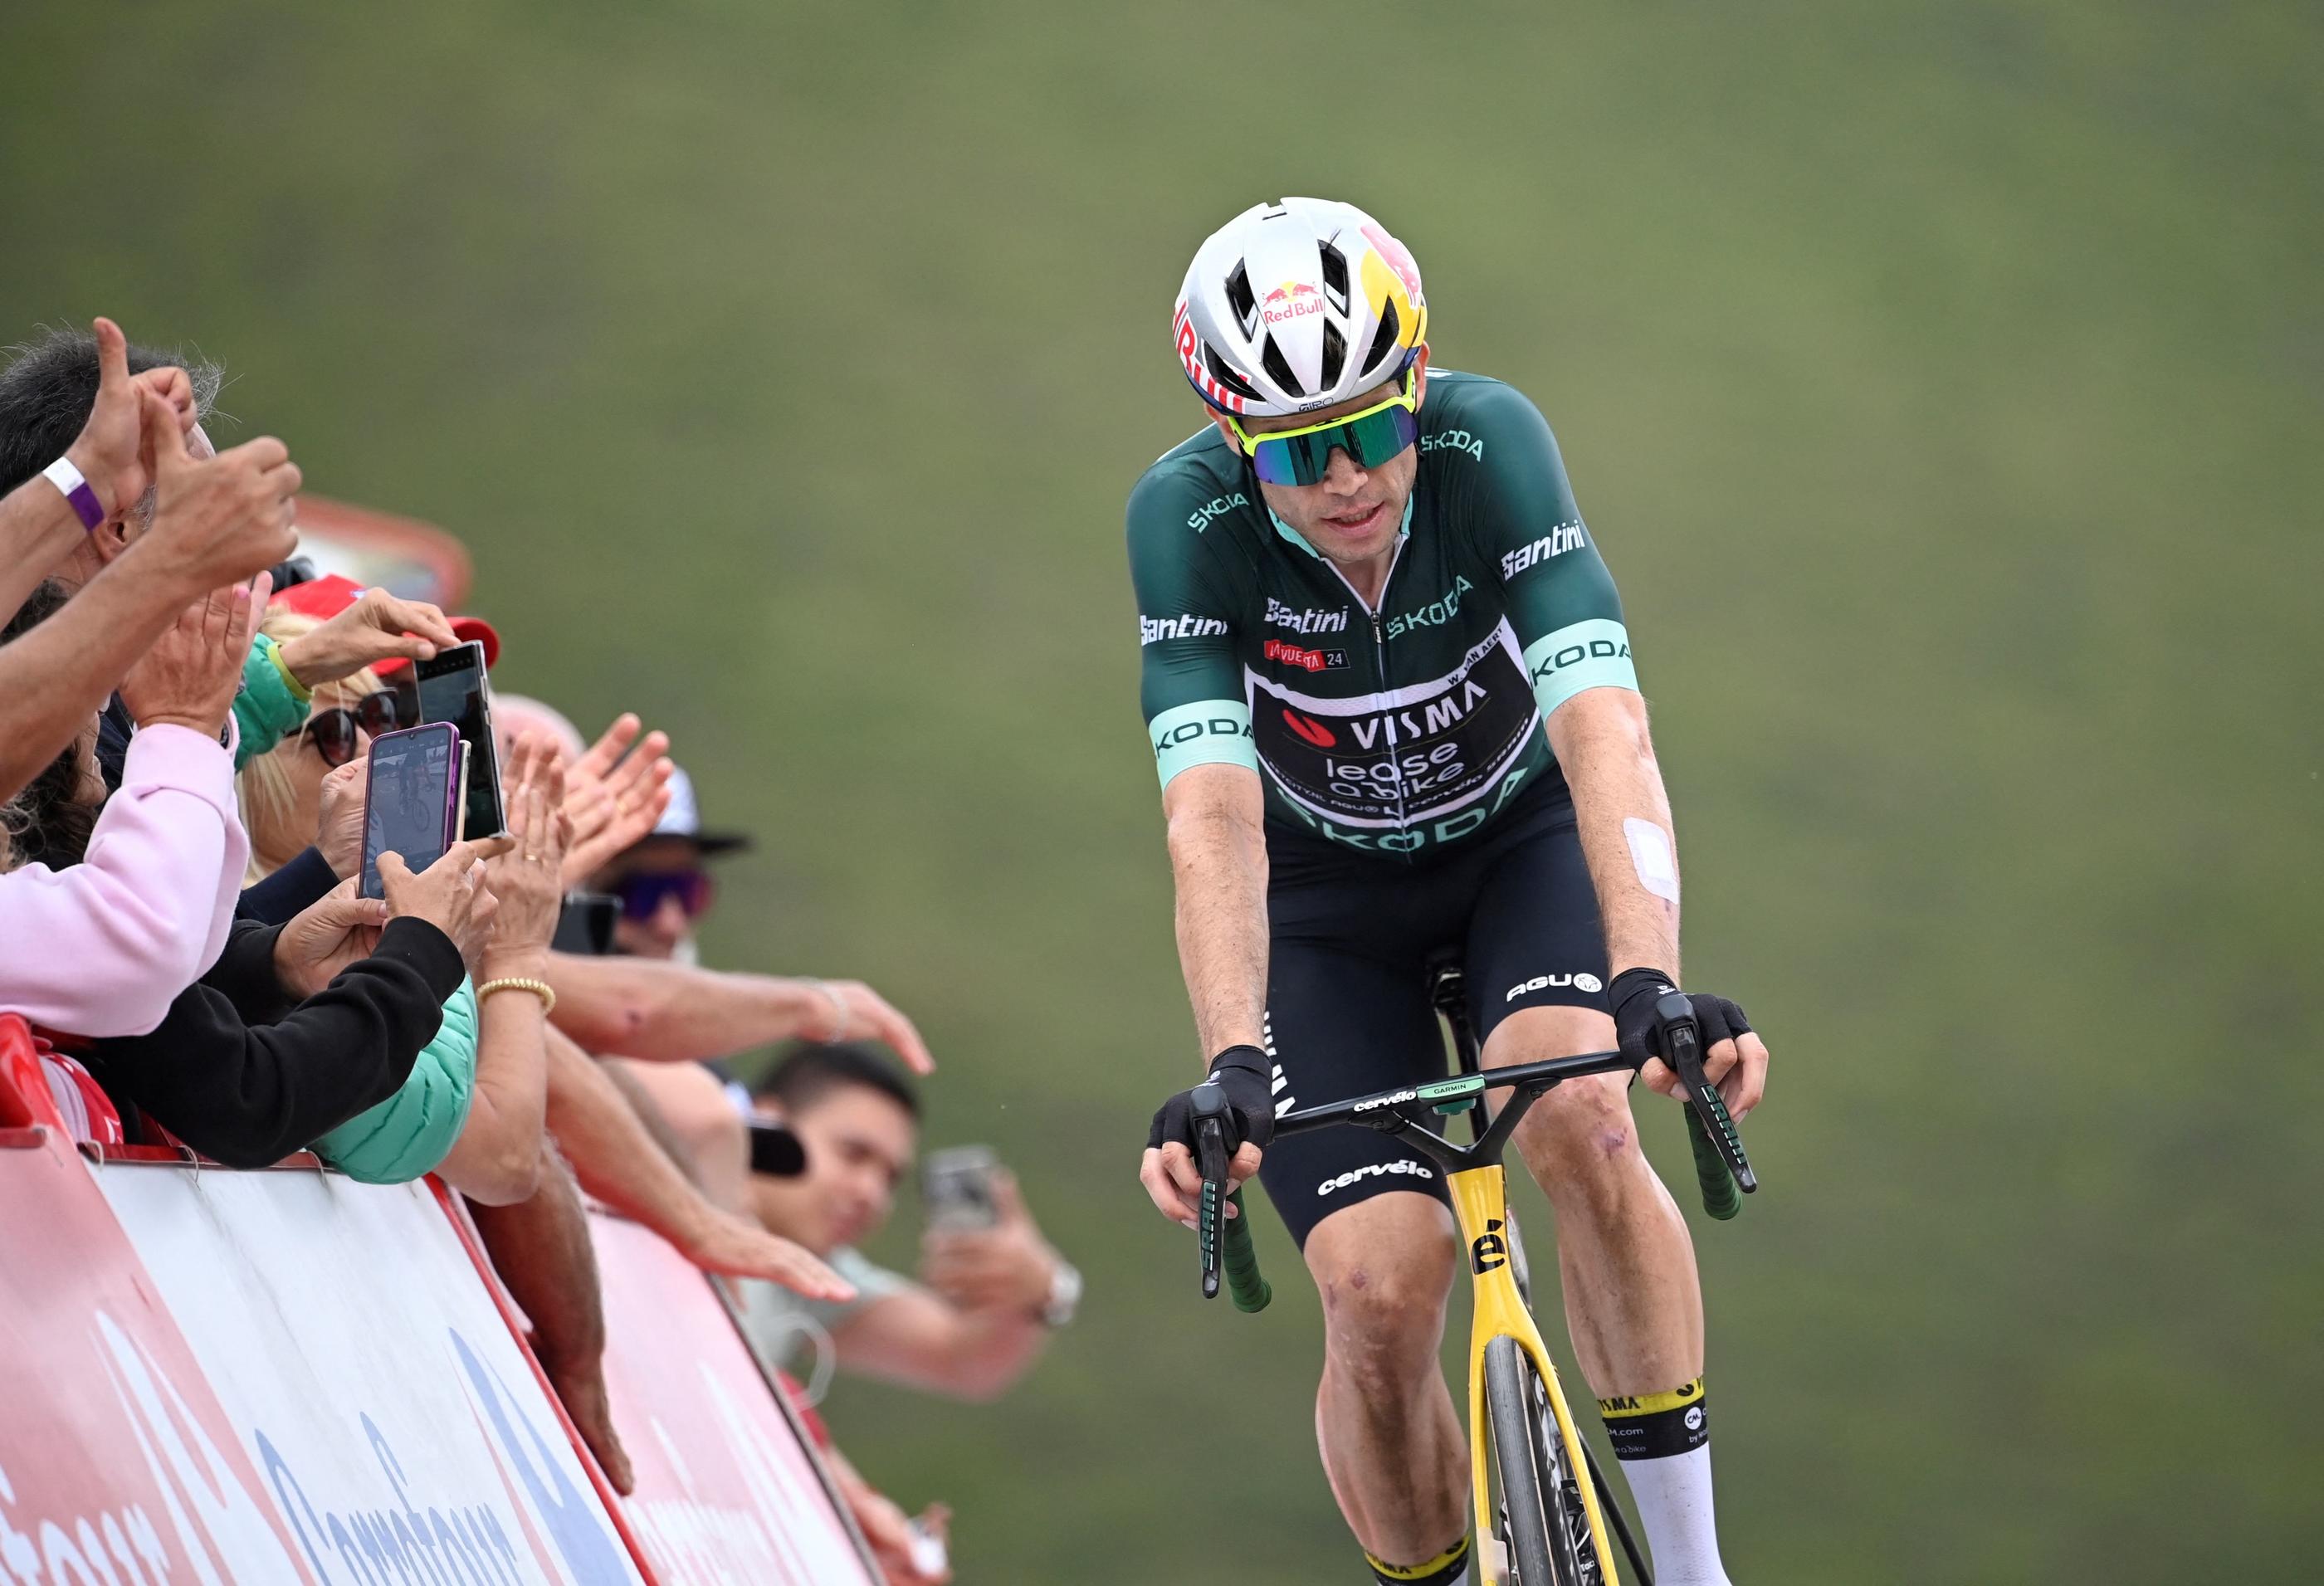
<point x="1674" y="1496"/>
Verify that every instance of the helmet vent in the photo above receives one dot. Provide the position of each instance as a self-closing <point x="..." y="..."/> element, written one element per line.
<point x="1383" y="343"/>
<point x="1278" y="369"/>
<point x="1224" y="374"/>
<point x="1335" y="355"/>
<point x="1241" y="298"/>
<point x="1336" y="279"/>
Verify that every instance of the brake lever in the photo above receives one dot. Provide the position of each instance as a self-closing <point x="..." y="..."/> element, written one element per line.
<point x="1676" y="1016"/>
<point x="1210" y="1109"/>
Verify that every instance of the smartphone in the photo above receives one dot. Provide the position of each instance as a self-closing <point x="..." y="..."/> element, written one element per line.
<point x="585" y="924"/>
<point x="413" y="806"/>
<point x="453" y="689"/>
<point x="775" y="1149"/>
<point x="956" y="1183"/>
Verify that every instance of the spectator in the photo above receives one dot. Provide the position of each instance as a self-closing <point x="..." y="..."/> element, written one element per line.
<point x="987" y="1299"/>
<point x="65" y="393"/>
<point x="108" y="916"/>
<point x="173" y="526"/>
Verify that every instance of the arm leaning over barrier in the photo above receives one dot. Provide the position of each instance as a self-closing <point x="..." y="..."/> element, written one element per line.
<point x="539" y="1246"/>
<point x="250" y="1096"/>
<point x="675" y="1013"/>
<point x="618" y="1162"/>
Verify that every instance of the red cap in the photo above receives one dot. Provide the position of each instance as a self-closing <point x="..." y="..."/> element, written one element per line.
<point x="326" y="597"/>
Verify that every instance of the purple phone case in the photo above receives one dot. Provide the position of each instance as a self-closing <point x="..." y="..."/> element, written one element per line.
<point x="453" y="794"/>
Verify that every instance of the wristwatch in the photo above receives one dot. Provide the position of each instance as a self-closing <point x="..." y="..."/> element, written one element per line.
<point x="1065" y="1296"/>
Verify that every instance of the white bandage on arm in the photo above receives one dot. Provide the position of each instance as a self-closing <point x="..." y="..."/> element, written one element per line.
<point x="1652" y="857"/>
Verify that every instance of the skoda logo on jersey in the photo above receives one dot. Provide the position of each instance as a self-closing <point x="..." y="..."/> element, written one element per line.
<point x="1315" y="620"/>
<point x="1217" y="506"/>
<point x="1454" y="440"/>
<point x="1434" y="614"/>
<point x="1580" y="981"/>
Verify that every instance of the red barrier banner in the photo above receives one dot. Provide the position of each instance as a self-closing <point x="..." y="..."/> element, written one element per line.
<point x="118" y="1463"/>
<point x="727" y="1491"/>
<point x="394" y="1420"/>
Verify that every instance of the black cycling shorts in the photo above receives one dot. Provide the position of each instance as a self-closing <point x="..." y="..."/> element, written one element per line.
<point x="1351" y="940"/>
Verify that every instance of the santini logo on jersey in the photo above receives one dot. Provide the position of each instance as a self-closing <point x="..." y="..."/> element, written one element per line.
<point x="1315" y="620"/>
<point x="1154" y="630"/>
<point x="1565" y="537"/>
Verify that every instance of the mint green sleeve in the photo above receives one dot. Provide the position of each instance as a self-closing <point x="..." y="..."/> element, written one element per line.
<point x="1191" y="683"/>
<point x="271" y="705"/>
<point x="412" y="1131"/>
<point x="1562" y="600"/>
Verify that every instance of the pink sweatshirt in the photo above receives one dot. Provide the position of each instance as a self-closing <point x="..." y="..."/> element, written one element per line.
<point x="103" y="947"/>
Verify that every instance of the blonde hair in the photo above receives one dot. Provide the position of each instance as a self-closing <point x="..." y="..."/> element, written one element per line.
<point x="264" y="786"/>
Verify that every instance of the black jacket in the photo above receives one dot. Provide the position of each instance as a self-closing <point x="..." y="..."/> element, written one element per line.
<point x="243" y="1075"/>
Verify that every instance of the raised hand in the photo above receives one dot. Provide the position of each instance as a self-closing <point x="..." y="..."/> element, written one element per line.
<point x="218" y="520"/>
<point x="728" y="1244"/>
<point x="188" y="677"/>
<point x="112" y="451"/>
<point x="613" y="796"/>
<point x="1007" y="1267"/>
<point x="847" y="1010"/>
<point x="338" y="832"/>
<point x="327" y="936"/>
<point x="528" y="879"/>
<point x="377" y="627"/>
<point x="449" y="894"/>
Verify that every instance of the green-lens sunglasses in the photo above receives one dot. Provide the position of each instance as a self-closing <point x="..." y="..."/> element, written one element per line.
<point x="1370" y="437"/>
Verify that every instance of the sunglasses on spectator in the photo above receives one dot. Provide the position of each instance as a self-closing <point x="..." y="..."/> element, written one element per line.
<point x="642" y="894"/>
<point x="333" y="732"/>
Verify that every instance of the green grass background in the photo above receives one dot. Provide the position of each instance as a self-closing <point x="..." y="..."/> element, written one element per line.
<point x="1943" y="382"/>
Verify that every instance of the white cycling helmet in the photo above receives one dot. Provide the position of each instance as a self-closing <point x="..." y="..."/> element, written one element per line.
<point x="1293" y="306"/>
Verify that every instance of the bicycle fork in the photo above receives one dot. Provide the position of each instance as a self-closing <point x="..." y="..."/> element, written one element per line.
<point x="1480" y="1201"/>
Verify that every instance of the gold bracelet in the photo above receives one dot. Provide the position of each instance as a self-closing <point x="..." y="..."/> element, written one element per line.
<point x="541" y="988"/>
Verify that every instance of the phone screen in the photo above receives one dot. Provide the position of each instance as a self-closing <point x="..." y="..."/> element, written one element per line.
<point x="453" y="687"/>
<point x="957" y="1184"/>
<point x="406" y="810"/>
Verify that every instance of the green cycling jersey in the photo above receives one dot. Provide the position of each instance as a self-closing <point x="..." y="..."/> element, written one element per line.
<point x="1392" y="730"/>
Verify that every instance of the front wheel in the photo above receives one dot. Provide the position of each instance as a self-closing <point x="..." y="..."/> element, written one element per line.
<point x="1533" y="1516"/>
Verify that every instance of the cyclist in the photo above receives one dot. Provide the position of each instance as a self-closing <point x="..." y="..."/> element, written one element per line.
<point x="1394" y="713"/>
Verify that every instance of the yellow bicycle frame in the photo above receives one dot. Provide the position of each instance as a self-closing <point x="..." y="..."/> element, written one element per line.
<point x="1480" y="1199"/>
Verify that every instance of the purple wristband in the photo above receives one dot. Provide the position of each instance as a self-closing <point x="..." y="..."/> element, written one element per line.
<point x="68" y="479"/>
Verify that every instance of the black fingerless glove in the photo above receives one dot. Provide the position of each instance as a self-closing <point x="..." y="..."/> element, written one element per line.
<point x="1639" y="1033"/>
<point x="1247" y="1077"/>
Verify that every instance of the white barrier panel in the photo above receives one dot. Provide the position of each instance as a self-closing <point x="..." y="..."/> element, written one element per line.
<point x="724" y="1490"/>
<point x="117" y="1463"/>
<point x="393" y="1420"/>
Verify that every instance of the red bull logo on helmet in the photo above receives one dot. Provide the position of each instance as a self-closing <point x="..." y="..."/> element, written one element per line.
<point x="1292" y="300"/>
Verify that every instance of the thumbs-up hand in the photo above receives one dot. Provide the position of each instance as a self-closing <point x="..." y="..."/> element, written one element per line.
<point x="112" y="451"/>
<point x="218" y="520"/>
